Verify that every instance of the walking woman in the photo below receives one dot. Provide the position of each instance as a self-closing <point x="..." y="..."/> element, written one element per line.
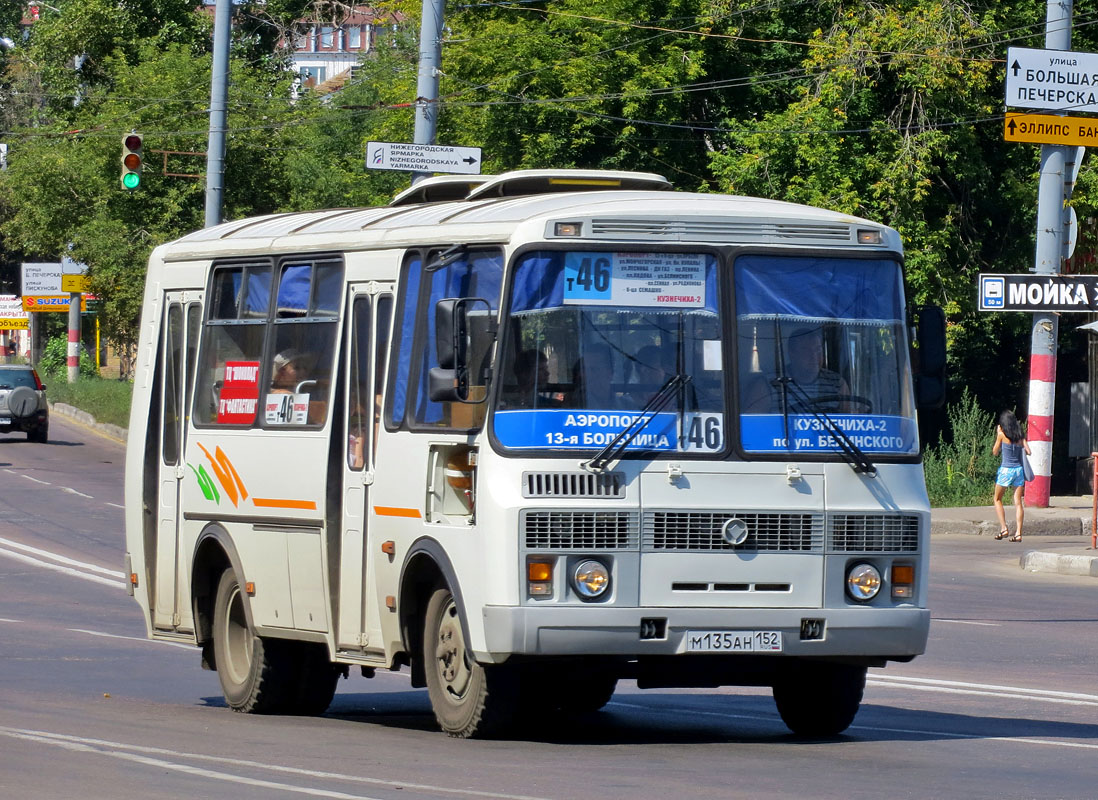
<point x="1010" y="441"/>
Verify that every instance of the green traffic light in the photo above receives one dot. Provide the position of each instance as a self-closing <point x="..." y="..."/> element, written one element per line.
<point x="131" y="180"/>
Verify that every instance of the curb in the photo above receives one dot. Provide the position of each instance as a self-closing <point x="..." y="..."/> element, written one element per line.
<point x="84" y="418"/>
<point x="1034" y="561"/>
<point x="1058" y="526"/>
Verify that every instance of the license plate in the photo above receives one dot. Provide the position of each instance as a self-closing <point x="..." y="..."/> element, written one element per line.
<point x="5" y="420"/>
<point x="733" y="641"/>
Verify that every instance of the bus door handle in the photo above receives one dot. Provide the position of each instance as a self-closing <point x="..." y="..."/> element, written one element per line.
<point x="180" y="472"/>
<point x="367" y="477"/>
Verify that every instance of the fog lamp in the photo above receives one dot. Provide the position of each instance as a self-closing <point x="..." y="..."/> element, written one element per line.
<point x="863" y="581"/>
<point x="590" y="579"/>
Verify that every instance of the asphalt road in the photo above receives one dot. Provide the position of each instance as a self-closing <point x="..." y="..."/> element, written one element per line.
<point x="1002" y="705"/>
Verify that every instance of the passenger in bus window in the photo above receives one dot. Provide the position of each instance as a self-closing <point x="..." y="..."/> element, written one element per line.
<point x="814" y="386"/>
<point x="532" y="375"/>
<point x="592" y="380"/>
<point x="654" y="365"/>
<point x="289" y="370"/>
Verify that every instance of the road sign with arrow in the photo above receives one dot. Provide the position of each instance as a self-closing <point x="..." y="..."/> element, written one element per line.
<point x="1056" y="80"/>
<point x="423" y="157"/>
<point x="1050" y="129"/>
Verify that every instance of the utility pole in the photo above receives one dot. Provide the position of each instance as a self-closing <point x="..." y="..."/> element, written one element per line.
<point x="430" y="63"/>
<point x="1049" y="256"/>
<point x="219" y="101"/>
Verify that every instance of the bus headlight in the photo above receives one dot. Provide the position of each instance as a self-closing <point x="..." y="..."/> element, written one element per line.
<point x="590" y="579"/>
<point x="863" y="581"/>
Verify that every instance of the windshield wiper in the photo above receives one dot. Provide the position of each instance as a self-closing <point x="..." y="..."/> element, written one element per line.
<point x="853" y="454"/>
<point x="616" y="446"/>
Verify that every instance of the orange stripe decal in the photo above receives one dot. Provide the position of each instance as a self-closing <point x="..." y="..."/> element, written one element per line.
<point x="390" y="511"/>
<point x="267" y="502"/>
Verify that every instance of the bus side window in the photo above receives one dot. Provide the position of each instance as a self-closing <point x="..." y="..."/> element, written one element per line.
<point x="227" y="380"/>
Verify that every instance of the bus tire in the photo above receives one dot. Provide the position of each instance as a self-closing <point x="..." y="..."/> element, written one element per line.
<point x="820" y="699"/>
<point x="586" y="695"/>
<point x="470" y="700"/>
<point x="253" y="671"/>
<point x="316" y="680"/>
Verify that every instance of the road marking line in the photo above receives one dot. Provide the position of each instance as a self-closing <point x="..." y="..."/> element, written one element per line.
<point x="991" y="686"/>
<point x="189" y="647"/>
<point x="93" y="745"/>
<point x="115" y="505"/>
<point x="66" y="570"/>
<point x="948" y="734"/>
<point x="73" y="491"/>
<point x="975" y="693"/>
<point x="967" y="622"/>
<point x="29" y="478"/>
<point x="5" y="619"/>
<point x="114" y="573"/>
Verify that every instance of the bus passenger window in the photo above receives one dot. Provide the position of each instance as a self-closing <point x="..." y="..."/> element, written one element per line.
<point x="305" y="326"/>
<point x="227" y="380"/>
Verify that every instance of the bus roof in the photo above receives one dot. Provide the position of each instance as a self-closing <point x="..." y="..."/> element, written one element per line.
<point x="496" y="207"/>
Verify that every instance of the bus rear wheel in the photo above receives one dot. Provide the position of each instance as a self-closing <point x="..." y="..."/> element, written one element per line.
<point x="820" y="699"/>
<point x="254" y="672"/>
<point x="470" y="700"/>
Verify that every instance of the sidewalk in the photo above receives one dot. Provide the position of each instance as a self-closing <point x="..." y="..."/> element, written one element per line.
<point x="1055" y="539"/>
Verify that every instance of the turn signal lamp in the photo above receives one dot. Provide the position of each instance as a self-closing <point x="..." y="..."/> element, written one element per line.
<point x="869" y="237"/>
<point x="539" y="577"/>
<point x="903" y="581"/>
<point x="131" y="161"/>
<point x="568" y="229"/>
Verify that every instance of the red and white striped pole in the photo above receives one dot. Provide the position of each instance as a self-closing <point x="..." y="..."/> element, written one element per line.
<point x="1051" y="194"/>
<point x="1042" y="397"/>
<point x="72" y="355"/>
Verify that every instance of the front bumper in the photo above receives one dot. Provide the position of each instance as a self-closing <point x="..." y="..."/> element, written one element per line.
<point x="893" y="633"/>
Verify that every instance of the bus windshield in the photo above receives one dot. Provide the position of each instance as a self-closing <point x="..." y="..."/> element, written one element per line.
<point x="821" y="346"/>
<point x="591" y="337"/>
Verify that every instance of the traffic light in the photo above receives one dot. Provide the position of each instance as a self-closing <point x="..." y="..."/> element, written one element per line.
<point x="131" y="161"/>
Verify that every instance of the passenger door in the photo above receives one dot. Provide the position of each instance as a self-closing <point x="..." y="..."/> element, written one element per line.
<point x="175" y="374"/>
<point x="371" y="311"/>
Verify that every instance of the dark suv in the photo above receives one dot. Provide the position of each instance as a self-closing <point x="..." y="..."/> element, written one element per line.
<point x="23" y="402"/>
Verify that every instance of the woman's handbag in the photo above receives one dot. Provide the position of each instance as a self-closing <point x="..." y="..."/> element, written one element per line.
<point x="1027" y="470"/>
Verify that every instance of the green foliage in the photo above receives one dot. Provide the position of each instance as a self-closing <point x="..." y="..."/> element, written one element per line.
<point x="960" y="469"/>
<point x="106" y="400"/>
<point x="54" y="361"/>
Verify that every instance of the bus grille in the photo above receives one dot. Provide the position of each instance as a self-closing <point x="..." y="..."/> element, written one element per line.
<point x="701" y="530"/>
<point x="573" y="484"/>
<point x="873" y="533"/>
<point x="579" y="530"/>
<point x="718" y="230"/>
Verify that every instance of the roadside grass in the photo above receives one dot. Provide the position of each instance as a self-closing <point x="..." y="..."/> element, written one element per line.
<point x="106" y="399"/>
<point x="960" y="468"/>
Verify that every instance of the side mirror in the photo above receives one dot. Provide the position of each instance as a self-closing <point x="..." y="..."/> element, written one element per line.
<point x="929" y="359"/>
<point x="449" y="381"/>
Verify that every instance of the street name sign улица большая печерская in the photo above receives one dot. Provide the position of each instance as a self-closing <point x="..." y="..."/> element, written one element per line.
<point x="1053" y="80"/>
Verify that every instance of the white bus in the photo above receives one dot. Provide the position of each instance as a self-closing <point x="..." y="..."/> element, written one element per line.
<point x="529" y="435"/>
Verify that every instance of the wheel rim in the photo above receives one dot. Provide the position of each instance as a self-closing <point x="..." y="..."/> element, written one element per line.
<point x="238" y="639"/>
<point x="450" y="656"/>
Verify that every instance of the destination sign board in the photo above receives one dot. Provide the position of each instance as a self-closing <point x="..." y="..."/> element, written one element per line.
<point x="1050" y="129"/>
<point x="1056" y="80"/>
<point x="423" y="157"/>
<point x="1029" y="292"/>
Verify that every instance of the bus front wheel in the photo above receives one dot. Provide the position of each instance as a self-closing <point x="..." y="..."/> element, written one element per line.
<point x="252" y="670"/>
<point x="469" y="699"/>
<point x="819" y="699"/>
